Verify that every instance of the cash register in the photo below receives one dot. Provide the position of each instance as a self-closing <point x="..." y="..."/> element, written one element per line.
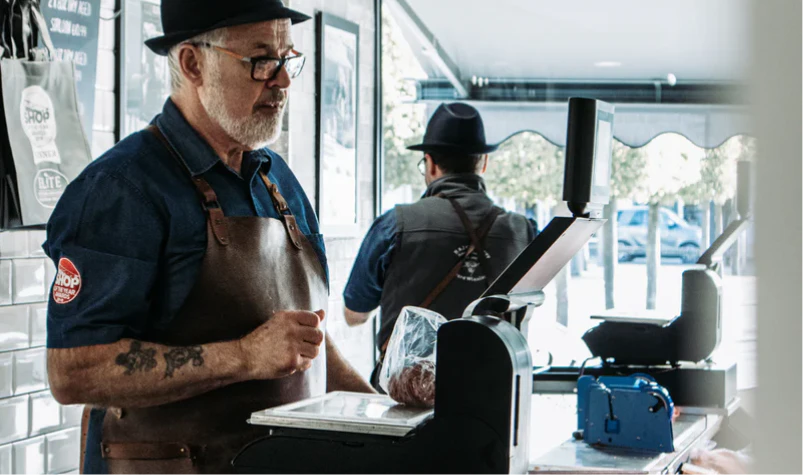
<point x="481" y="419"/>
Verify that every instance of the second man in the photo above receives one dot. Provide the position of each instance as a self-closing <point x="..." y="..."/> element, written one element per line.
<point x="443" y="251"/>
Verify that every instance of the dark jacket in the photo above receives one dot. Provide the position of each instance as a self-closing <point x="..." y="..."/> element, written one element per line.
<point x="431" y="239"/>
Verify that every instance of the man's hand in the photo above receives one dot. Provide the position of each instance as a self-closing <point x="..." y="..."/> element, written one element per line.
<point x="717" y="461"/>
<point x="283" y="345"/>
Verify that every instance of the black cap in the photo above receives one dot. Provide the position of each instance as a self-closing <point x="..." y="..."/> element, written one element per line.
<point x="455" y="127"/>
<point x="185" y="19"/>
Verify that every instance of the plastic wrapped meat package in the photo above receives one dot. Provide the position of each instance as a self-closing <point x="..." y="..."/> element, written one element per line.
<point x="408" y="372"/>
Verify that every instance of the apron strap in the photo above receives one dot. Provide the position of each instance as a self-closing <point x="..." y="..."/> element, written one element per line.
<point x="214" y="212"/>
<point x="290" y="224"/>
<point x="84" y="432"/>
<point x="149" y="451"/>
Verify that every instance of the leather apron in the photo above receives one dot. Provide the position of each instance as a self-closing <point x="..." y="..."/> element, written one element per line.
<point x="253" y="267"/>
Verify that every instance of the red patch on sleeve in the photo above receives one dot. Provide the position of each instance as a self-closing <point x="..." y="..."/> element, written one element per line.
<point x="68" y="282"/>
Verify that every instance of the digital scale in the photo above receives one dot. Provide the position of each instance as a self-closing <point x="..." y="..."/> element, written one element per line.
<point x="345" y="412"/>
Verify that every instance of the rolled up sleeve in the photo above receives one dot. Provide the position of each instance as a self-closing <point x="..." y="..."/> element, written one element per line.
<point x="363" y="291"/>
<point x="108" y="235"/>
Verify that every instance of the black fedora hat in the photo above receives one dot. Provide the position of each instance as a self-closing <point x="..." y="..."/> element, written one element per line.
<point x="184" y="19"/>
<point x="455" y="127"/>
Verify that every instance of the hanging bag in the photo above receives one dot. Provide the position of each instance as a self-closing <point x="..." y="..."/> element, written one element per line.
<point x="42" y="142"/>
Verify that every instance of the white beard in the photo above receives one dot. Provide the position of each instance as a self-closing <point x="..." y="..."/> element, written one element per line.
<point x="255" y="131"/>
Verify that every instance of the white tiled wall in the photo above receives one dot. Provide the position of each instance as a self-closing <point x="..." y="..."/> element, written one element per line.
<point x="355" y="343"/>
<point x="37" y="435"/>
<point x="104" y="128"/>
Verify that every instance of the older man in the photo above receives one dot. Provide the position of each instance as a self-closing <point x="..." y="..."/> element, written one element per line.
<point x="192" y="275"/>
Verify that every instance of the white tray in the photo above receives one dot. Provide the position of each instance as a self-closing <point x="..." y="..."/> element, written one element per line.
<point x="345" y="412"/>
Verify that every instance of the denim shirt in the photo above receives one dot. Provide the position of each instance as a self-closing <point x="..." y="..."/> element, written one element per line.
<point x="133" y="228"/>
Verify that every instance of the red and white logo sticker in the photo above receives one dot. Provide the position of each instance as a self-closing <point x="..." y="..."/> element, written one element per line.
<point x="68" y="282"/>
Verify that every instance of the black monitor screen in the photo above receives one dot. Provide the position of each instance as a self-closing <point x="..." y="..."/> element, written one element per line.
<point x="589" y="143"/>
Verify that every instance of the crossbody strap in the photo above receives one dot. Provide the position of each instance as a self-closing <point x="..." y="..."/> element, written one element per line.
<point x="477" y="237"/>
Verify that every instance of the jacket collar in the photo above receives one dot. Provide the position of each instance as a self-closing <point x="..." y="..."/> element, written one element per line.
<point x="459" y="183"/>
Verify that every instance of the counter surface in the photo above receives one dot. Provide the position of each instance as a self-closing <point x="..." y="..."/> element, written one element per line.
<point x="553" y="450"/>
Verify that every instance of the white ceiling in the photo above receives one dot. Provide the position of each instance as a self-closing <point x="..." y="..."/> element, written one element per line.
<point x="563" y="39"/>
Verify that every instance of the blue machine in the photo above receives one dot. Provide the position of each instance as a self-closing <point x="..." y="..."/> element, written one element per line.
<point x="625" y="411"/>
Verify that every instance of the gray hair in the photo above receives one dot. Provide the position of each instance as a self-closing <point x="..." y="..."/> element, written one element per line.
<point x="215" y="37"/>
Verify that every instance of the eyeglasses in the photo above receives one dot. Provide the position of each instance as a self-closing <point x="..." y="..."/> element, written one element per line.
<point x="422" y="166"/>
<point x="266" y="68"/>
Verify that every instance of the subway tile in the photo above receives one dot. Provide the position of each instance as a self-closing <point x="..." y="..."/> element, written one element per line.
<point x="296" y="127"/>
<point x="29" y="281"/>
<point x="281" y="146"/>
<point x="63" y="451"/>
<point x="38" y="330"/>
<point x="45" y="413"/>
<point x="30" y="371"/>
<point x="104" y="111"/>
<point x="71" y="415"/>
<point x="13" y="244"/>
<point x="13" y="327"/>
<point x="295" y="87"/>
<point x="308" y="83"/>
<point x="35" y="241"/>
<point x="105" y="77"/>
<point x="351" y="251"/>
<point x="50" y="276"/>
<point x="332" y="250"/>
<point x="13" y="419"/>
<point x="5" y="459"/>
<point x="5" y="283"/>
<point x="286" y="120"/>
<point x="29" y="456"/>
<point x="303" y="7"/>
<point x="101" y="142"/>
<point x="107" y="30"/>
<point x="6" y="374"/>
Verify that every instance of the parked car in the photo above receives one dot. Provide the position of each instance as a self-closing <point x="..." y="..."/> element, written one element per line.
<point x="678" y="238"/>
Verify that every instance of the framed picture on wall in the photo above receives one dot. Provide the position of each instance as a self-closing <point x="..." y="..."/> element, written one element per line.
<point x="336" y="141"/>
<point x="144" y="75"/>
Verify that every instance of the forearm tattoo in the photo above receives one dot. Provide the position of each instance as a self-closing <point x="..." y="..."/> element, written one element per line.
<point x="178" y="357"/>
<point x="137" y="359"/>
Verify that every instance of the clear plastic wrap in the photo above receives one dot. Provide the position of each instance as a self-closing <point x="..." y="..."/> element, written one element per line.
<point x="408" y="372"/>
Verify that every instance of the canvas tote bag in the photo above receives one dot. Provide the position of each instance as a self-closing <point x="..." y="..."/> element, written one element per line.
<point x="42" y="142"/>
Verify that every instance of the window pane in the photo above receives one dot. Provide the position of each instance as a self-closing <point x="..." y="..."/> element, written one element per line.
<point x="404" y="120"/>
<point x="691" y="187"/>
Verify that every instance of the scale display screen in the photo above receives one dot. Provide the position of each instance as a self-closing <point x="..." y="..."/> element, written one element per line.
<point x="603" y="147"/>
